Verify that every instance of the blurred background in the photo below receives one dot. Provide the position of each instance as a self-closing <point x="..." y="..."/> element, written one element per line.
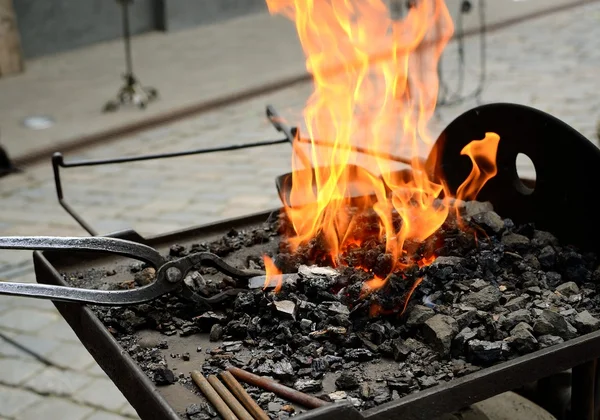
<point x="199" y="73"/>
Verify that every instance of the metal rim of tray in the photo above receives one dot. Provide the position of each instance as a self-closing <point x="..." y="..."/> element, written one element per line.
<point x="448" y="397"/>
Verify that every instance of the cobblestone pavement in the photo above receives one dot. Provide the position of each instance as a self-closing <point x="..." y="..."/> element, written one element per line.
<point x="549" y="63"/>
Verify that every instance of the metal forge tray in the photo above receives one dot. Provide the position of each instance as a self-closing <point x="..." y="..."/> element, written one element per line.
<point x="153" y="402"/>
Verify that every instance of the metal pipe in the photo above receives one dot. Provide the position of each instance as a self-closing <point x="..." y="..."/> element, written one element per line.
<point x="582" y="391"/>
<point x="212" y="396"/>
<point x="229" y="399"/>
<point x="283" y="391"/>
<point x="240" y="393"/>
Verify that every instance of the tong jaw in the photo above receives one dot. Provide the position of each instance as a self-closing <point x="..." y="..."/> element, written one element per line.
<point x="169" y="274"/>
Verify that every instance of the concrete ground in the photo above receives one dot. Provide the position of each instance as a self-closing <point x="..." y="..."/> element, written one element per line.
<point x="550" y="63"/>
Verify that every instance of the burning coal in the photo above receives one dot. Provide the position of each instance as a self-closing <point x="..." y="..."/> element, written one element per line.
<point x="375" y="86"/>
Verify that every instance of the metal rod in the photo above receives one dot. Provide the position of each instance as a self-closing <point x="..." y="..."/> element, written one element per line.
<point x="240" y="393"/>
<point x="229" y="399"/>
<point x="582" y="391"/>
<point x="127" y="37"/>
<point x="283" y="391"/>
<point x="359" y="149"/>
<point x="212" y="396"/>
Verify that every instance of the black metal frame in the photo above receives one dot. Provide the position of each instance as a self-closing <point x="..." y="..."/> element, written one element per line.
<point x="459" y="393"/>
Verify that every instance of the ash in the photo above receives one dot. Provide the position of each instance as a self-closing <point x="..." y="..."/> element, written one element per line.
<point x="495" y="291"/>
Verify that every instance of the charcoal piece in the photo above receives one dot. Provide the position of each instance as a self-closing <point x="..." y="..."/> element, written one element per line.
<point x="465" y="319"/>
<point x="319" y="366"/>
<point x="418" y="315"/>
<point x="216" y="332"/>
<point x="163" y="376"/>
<point x="238" y="328"/>
<point x="330" y="331"/>
<point x="145" y="277"/>
<point x="568" y="289"/>
<point x="516" y="317"/>
<point x="489" y="221"/>
<point x="476" y="207"/>
<point x="486" y="352"/>
<point x="338" y="396"/>
<point x="484" y="299"/>
<point x="515" y="242"/>
<point x="177" y="250"/>
<point x="347" y="381"/>
<point x="522" y="340"/>
<point x="400" y="350"/>
<point x="532" y="261"/>
<point x="534" y="290"/>
<point x="517" y="303"/>
<point x="377" y="332"/>
<point x="427" y="381"/>
<point x="384" y="265"/>
<point x="585" y="322"/>
<point x="188" y="330"/>
<point x="542" y="239"/>
<point x="244" y="302"/>
<point x="283" y="369"/>
<point x="359" y="355"/>
<point x="398" y="385"/>
<point x="521" y="326"/>
<point x="308" y="385"/>
<point x="285" y="308"/>
<point x="337" y="308"/>
<point x="259" y="283"/>
<point x="552" y="323"/>
<point x="553" y="278"/>
<point x="438" y="332"/>
<point x="462" y="338"/>
<point x="383" y="394"/>
<point x="209" y="318"/>
<point x="478" y="284"/>
<point x="315" y="279"/>
<point x="130" y="322"/>
<point x="306" y="325"/>
<point x="573" y="266"/>
<point x="549" y="340"/>
<point x="547" y="257"/>
<point x="274" y="407"/>
<point x="196" y="412"/>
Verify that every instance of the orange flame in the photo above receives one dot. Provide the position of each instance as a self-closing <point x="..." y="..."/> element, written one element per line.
<point x="381" y="105"/>
<point x="273" y="274"/>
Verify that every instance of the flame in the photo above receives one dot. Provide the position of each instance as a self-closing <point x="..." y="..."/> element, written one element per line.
<point x="273" y="274"/>
<point x="379" y="103"/>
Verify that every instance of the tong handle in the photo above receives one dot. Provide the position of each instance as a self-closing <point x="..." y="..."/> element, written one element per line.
<point x="97" y="297"/>
<point x="103" y="244"/>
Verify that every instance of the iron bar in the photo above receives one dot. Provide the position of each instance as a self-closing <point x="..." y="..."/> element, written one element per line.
<point x="238" y="390"/>
<point x="237" y="408"/>
<point x="283" y="391"/>
<point x="212" y="396"/>
<point x="59" y="162"/>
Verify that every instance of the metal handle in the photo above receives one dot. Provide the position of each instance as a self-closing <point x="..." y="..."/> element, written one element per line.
<point x="98" y="297"/>
<point x="85" y="244"/>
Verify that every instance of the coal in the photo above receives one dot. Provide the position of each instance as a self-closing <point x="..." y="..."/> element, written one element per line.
<point x="496" y="290"/>
<point x="346" y="381"/>
<point x="438" y="331"/>
<point x="585" y="322"/>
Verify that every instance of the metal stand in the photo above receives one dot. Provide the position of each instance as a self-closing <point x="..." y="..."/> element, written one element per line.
<point x="132" y="92"/>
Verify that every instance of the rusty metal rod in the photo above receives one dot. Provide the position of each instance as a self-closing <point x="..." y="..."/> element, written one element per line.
<point x="240" y="393"/>
<point x="212" y="396"/>
<point x="283" y="391"/>
<point x="229" y="399"/>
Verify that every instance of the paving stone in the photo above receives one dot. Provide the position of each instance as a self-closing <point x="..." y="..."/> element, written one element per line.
<point x="13" y="400"/>
<point x="40" y="345"/>
<point x="57" y="382"/>
<point x="27" y="320"/>
<point x="128" y="411"/>
<point x="104" y="415"/>
<point x="17" y="371"/>
<point x="60" y="330"/>
<point x="71" y="356"/>
<point x="52" y="407"/>
<point x="103" y="393"/>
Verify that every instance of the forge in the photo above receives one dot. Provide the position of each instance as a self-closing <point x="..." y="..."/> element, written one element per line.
<point x="388" y="285"/>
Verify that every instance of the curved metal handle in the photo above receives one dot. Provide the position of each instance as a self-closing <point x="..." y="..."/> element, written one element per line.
<point x="85" y="244"/>
<point x="97" y="297"/>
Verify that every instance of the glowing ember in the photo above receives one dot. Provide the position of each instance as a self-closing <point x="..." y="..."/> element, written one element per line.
<point x="382" y="105"/>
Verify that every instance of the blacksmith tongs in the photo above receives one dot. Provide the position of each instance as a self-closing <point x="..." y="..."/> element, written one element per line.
<point x="170" y="275"/>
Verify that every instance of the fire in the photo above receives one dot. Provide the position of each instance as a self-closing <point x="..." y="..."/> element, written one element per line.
<point x="273" y="274"/>
<point x="375" y="87"/>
